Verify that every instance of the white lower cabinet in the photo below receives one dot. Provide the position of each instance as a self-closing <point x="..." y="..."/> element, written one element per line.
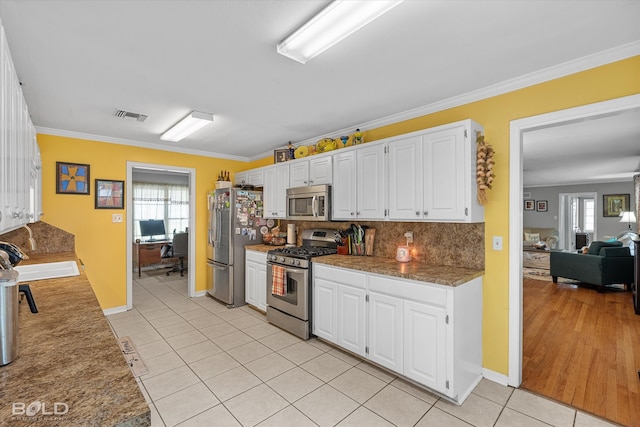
<point x="255" y="279"/>
<point x="385" y="331"/>
<point x="325" y="309"/>
<point x="429" y="333"/>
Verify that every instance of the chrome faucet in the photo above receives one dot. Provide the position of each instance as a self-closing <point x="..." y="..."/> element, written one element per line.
<point x="32" y="241"/>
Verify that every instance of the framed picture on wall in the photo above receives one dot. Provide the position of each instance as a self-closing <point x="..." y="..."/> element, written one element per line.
<point x="529" y="205"/>
<point x="109" y="194"/>
<point x="541" y="206"/>
<point x="614" y="204"/>
<point x="72" y="178"/>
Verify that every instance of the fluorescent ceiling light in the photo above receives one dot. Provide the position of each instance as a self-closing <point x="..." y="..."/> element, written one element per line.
<point x="338" y="20"/>
<point x="185" y="127"/>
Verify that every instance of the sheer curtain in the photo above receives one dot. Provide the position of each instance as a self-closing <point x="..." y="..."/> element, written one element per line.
<point x="168" y="202"/>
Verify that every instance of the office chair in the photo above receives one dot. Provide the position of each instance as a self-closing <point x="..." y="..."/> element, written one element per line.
<point x="180" y="249"/>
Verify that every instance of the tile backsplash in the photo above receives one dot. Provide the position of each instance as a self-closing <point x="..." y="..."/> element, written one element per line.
<point x="455" y="244"/>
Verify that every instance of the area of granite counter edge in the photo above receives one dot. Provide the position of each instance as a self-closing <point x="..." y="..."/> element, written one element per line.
<point x="422" y="272"/>
<point x="143" y="418"/>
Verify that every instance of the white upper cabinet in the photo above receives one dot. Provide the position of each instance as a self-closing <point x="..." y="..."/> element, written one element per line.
<point x="432" y="175"/>
<point x="444" y="174"/>
<point x="255" y="177"/>
<point x="276" y="182"/>
<point x="427" y="175"/>
<point x="344" y="185"/>
<point x="405" y="179"/>
<point x="312" y="171"/>
<point x="241" y="178"/>
<point x="19" y="154"/>
<point x="359" y="183"/>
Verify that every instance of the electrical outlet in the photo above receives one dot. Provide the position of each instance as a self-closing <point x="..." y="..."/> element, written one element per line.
<point x="116" y="218"/>
<point x="497" y="243"/>
<point x="409" y="236"/>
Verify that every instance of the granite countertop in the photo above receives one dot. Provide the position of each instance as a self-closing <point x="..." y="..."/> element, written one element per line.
<point x="262" y="247"/>
<point x="420" y="271"/>
<point x="68" y="354"/>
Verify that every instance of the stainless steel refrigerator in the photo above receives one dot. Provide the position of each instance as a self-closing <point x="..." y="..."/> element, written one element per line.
<point x="235" y="219"/>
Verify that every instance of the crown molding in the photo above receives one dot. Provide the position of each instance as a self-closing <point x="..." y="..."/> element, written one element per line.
<point x="584" y="63"/>
<point x="130" y="142"/>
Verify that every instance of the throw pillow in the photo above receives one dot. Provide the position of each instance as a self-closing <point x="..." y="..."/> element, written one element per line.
<point x="532" y="237"/>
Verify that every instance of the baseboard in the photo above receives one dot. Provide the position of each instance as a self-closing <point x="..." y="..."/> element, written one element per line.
<point x="200" y="294"/>
<point x="115" y="310"/>
<point x="496" y="377"/>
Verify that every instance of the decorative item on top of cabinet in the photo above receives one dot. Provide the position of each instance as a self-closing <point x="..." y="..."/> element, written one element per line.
<point x="358" y="138"/>
<point x="484" y="168"/>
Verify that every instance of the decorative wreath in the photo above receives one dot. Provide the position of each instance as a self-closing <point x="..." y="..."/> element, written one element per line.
<point x="484" y="169"/>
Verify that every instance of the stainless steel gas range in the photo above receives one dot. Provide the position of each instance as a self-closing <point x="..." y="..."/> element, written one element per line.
<point x="289" y="280"/>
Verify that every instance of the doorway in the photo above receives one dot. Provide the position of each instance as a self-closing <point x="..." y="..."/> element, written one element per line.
<point x="517" y="130"/>
<point x="167" y="170"/>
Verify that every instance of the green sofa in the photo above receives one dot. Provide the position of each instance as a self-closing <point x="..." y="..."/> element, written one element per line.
<point x="606" y="263"/>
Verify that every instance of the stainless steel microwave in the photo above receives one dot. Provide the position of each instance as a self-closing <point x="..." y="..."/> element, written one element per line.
<point x="311" y="203"/>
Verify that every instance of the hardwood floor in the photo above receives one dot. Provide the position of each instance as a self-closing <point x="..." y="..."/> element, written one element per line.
<point x="582" y="348"/>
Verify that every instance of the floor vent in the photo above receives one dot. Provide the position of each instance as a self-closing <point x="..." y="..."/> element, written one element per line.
<point x="129" y="115"/>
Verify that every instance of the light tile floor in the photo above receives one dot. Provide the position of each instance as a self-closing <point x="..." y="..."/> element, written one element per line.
<point x="213" y="366"/>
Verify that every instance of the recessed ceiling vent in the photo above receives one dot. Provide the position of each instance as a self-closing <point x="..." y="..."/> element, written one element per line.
<point x="129" y="115"/>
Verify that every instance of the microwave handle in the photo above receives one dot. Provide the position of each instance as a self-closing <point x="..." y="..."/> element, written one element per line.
<point x="314" y="207"/>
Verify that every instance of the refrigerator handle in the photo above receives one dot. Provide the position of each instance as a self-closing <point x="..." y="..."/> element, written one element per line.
<point x="314" y="208"/>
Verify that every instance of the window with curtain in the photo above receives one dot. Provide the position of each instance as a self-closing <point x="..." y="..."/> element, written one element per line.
<point x="168" y="202"/>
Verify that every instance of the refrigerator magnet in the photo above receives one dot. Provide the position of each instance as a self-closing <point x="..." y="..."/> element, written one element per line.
<point x="237" y="230"/>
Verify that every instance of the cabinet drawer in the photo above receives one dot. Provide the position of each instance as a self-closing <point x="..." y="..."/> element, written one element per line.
<point x="340" y="275"/>
<point x="409" y="290"/>
<point x="256" y="256"/>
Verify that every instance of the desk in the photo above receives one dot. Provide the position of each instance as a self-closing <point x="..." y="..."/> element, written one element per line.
<point x="146" y="253"/>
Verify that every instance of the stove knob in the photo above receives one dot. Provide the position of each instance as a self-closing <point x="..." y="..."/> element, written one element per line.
<point x="281" y="259"/>
<point x="297" y="262"/>
<point x="291" y="261"/>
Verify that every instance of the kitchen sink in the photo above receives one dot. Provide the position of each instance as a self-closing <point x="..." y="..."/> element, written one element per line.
<point x="47" y="270"/>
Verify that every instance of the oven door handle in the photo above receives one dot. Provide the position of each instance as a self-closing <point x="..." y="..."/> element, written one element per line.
<point x="288" y="269"/>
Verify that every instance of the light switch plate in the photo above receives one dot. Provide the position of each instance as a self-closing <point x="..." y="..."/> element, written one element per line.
<point x="116" y="218"/>
<point x="497" y="243"/>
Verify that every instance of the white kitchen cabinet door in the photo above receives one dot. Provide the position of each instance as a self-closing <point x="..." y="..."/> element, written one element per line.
<point x="261" y="285"/>
<point x="344" y="186"/>
<point x="255" y="177"/>
<point x="250" y="281"/>
<point x="370" y="182"/>
<point x="444" y="174"/>
<point x="255" y="279"/>
<point x="299" y="174"/>
<point x="282" y="183"/>
<point x="274" y="191"/>
<point x="325" y="306"/>
<point x="386" y="331"/>
<point x="240" y="178"/>
<point x="321" y="170"/>
<point x="352" y="319"/>
<point x="425" y="345"/>
<point x="405" y="179"/>
<point x="269" y="192"/>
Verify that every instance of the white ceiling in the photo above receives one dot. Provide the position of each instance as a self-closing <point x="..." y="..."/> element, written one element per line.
<point x="80" y="60"/>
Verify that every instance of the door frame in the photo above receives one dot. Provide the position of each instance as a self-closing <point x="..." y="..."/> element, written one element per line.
<point x="191" y="276"/>
<point x="563" y="214"/>
<point x="517" y="130"/>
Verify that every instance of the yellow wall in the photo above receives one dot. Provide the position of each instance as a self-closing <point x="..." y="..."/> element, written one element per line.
<point x="495" y="114"/>
<point x="100" y="243"/>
